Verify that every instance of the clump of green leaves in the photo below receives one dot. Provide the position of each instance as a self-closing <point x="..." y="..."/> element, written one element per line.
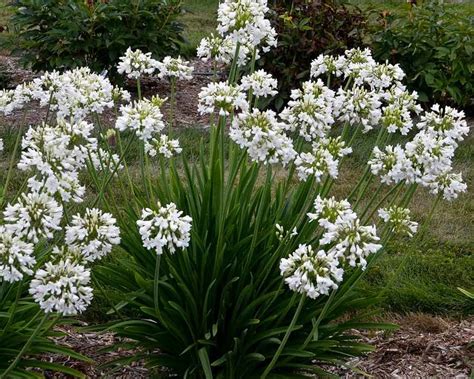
<point x="56" y="34"/>
<point x="434" y="45"/>
<point x="305" y="30"/>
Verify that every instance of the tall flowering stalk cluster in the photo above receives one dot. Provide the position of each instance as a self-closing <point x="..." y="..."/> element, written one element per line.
<point x="54" y="154"/>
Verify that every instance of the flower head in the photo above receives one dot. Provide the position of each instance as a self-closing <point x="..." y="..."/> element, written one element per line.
<point x="62" y="287"/>
<point x="175" y="68"/>
<point x="16" y="256"/>
<point x="399" y="220"/>
<point x="261" y="83"/>
<point x="164" y="146"/>
<point x="94" y="234"/>
<point x="311" y="273"/>
<point x="135" y="64"/>
<point x="222" y="97"/>
<point x="165" y="228"/>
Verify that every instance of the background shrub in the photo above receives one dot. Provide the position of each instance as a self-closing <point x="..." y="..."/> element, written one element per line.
<point x="435" y="47"/>
<point x="305" y="30"/>
<point x="57" y="34"/>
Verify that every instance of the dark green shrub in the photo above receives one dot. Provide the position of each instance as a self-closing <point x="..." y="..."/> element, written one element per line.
<point x="435" y="47"/>
<point x="57" y="34"/>
<point x="305" y="30"/>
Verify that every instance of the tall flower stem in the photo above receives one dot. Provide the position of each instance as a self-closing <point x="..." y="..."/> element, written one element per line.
<point x="285" y="338"/>
<point x="156" y="283"/>
<point x="171" y="123"/>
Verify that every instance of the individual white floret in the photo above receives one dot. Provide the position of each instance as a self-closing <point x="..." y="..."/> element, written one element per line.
<point x="164" y="228"/>
<point x="311" y="273"/>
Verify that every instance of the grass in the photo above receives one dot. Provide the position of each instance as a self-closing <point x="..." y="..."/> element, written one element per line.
<point x="199" y="18"/>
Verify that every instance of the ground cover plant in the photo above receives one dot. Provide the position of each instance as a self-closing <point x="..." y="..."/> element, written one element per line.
<point x="241" y="263"/>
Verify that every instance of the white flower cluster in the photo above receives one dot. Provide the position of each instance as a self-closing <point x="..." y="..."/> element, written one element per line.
<point x="347" y="240"/>
<point x="94" y="234"/>
<point x="310" y="110"/>
<point x="16" y="256"/>
<point x="164" y="145"/>
<point x="344" y="241"/>
<point x="222" y="97"/>
<point x="427" y="158"/>
<point x="311" y="273"/>
<point x="72" y="94"/>
<point x="397" y="113"/>
<point x="261" y="83"/>
<point x="143" y="116"/>
<point x="174" y="68"/>
<point x="62" y="287"/>
<point x="165" y="228"/>
<point x="135" y="64"/>
<point x="399" y="220"/>
<point x="263" y="136"/>
<point x="323" y="159"/>
<point x="242" y="27"/>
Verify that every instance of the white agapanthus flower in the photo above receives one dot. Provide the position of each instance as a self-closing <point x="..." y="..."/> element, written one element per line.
<point x="281" y="233"/>
<point x="135" y="64"/>
<point x="143" y="116"/>
<point x="163" y="146"/>
<point x="311" y="273"/>
<point x="323" y="159"/>
<point x="380" y="76"/>
<point x="174" y="68"/>
<point x="310" y="110"/>
<point x="397" y="113"/>
<point x="390" y="164"/>
<point x="263" y="136"/>
<point x="358" y="106"/>
<point x="62" y="287"/>
<point x="399" y="220"/>
<point x="350" y="241"/>
<point x="34" y="216"/>
<point x="428" y="156"/>
<point x="356" y="64"/>
<point x="327" y="211"/>
<point x="326" y="64"/>
<point x="95" y="234"/>
<point x="261" y="83"/>
<point x="16" y="256"/>
<point x="244" y="22"/>
<point x="73" y="94"/>
<point x="223" y="50"/>
<point x="57" y="153"/>
<point x="164" y="228"/>
<point x="448" y="183"/>
<point x="449" y="124"/>
<point x="223" y="98"/>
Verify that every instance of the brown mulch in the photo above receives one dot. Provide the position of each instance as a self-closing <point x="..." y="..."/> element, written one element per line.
<point x="186" y="95"/>
<point x="424" y="347"/>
